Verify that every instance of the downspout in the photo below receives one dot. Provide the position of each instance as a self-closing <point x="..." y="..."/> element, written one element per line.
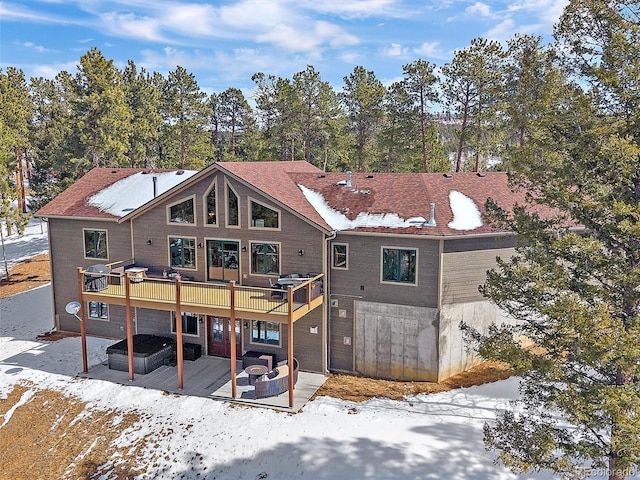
<point x="439" y="304"/>
<point x="326" y="317"/>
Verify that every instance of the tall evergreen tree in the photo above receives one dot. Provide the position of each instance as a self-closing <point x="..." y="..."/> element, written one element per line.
<point x="10" y="215"/>
<point x="56" y="150"/>
<point x="319" y="107"/>
<point x="186" y="115"/>
<point x="363" y="99"/>
<point x="15" y="119"/>
<point x="144" y="101"/>
<point x="574" y="283"/>
<point x="396" y="133"/>
<point x="471" y="86"/>
<point x="420" y="82"/>
<point x="235" y="118"/>
<point x="101" y="111"/>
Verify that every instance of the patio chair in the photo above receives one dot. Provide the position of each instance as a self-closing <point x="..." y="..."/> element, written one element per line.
<point x="276" y="293"/>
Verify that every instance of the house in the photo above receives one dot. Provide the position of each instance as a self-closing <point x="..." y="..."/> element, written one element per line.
<point x="388" y="264"/>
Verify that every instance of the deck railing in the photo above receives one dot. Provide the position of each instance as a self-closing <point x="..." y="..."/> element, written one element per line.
<point x="247" y="298"/>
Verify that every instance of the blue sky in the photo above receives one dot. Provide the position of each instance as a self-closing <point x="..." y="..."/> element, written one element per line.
<point x="223" y="43"/>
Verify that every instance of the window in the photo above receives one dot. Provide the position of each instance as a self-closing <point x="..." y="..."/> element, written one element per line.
<point x="265" y="332"/>
<point x="233" y="210"/>
<point x="189" y="323"/>
<point x="95" y="244"/>
<point x="182" y="212"/>
<point x="265" y="258"/>
<point x="398" y="265"/>
<point x="340" y="256"/>
<point x="182" y="252"/>
<point x="98" y="310"/>
<point x="263" y="216"/>
<point x="212" y="217"/>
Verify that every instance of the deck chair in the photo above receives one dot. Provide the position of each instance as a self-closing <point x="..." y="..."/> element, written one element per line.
<point x="276" y="293"/>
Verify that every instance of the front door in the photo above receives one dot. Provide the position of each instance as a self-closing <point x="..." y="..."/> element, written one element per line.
<point x="219" y="333"/>
<point x="223" y="260"/>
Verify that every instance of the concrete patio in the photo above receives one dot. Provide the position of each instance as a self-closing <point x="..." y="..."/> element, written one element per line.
<point x="210" y="377"/>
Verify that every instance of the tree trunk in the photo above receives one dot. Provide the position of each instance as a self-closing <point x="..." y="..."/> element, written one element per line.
<point x="20" y="182"/>
<point x="463" y="127"/>
<point x="4" y="255"/>
<point x="423" y="133"/>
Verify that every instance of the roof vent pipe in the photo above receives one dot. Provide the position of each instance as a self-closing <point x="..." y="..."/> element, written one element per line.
<point x="155" y="186"/>
<point x="348" y="178"/>
<point x="432" y="217"/>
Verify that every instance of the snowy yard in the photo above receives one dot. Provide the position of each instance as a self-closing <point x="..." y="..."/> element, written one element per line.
<point x="436" y="436"/>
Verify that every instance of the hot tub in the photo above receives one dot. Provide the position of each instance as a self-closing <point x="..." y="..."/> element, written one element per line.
<point x="149" y="352"/>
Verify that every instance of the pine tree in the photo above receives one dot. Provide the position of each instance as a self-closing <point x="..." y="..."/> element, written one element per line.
<point x="10" y="214"/>
<point x="420" y="82"/>
<point x="471" y="86"/>
<point x="574" y="283"/>
<point x="363" y="99"/>
<point x="101" y="111"/>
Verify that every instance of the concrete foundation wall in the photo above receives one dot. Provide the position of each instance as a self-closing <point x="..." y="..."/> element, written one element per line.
<point x="396" y="341"/>
<point x="454" y="357"/>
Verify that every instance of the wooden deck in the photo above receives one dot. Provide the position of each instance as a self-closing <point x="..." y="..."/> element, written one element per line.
<point x="210" y="377"/>
<point x="203" y="298"/>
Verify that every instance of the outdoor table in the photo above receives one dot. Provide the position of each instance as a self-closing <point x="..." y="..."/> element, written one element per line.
<point x="255" y="372"/>
<point x="136" y="274"/>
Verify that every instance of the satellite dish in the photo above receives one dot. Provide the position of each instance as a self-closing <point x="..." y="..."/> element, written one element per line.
<point x="73" y="308"/>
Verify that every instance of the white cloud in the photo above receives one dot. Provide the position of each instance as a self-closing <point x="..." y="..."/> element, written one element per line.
<point x="307" y="40"/>
<point x="546" y="12"/>
<point x="33" y="46"/>
<point x="479" y="8"/>
<point x="358" y="8"/>
<point x="504" y="30"/>
<point x="429" y="49"/>
<point x="131" y="26"/>
<point x="395" y="50"/>
<point x="10" y="11"/>
<point x="50" y="70"/>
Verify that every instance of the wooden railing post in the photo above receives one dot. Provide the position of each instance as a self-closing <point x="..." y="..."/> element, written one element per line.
<point x="232" y="337"/>
<point x="83" y="324"/>
<point x="290" y="344"/>
<point x="127" y="294"/>
<point x="179" y="352"/>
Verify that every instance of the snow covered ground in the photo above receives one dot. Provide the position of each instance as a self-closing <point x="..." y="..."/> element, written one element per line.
<point x="423" y="437"/>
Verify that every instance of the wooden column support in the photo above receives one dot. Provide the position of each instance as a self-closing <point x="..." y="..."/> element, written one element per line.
<point x="232" y="338"/>
<point x="179" y="352"/>
<point x="83" y="324"/>
<point x="290" y="345"/>
<point x="127" y="293"/>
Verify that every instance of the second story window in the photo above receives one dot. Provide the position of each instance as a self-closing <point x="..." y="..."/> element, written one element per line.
<point x="263" y="216"/>
<point x="399" y="265"/>
<point x="183" y="212"/>
<point x="95" y="244"/>
<point x="182" y="252"/>
<point x="233" y="208"/>
<point x="265" y="258"/>
<point x="212" y="214"/>
<point x="340" y="256"/>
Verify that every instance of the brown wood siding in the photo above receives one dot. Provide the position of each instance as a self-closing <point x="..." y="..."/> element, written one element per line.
<point x="362" y="282"/>
<point x="475" y="244"/>
<point x="294" y="235"/>
<point x="341" y="328"/>
<point x="463" y="272"/>
<point x="67" y="254"/>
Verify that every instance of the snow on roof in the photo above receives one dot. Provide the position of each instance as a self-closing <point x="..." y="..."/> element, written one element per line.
<point x="339" y="221"/>
<point x="134" y="191"/>
<point x="466" y="215"/>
